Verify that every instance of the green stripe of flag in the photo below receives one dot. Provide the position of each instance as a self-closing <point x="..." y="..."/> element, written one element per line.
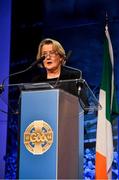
<point x="112" y="108"/>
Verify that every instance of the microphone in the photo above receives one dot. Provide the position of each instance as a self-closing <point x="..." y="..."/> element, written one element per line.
<point x="69" y="67"/>
<point x="68" y="55"/>
<point x="40" y="60"/>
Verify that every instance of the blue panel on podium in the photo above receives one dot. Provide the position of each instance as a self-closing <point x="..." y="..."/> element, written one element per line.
<point x="37" y="106"/>
<point x="48" y="145"/>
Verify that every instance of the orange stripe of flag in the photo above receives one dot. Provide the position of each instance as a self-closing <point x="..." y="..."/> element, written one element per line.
<point x="101" y="172"/>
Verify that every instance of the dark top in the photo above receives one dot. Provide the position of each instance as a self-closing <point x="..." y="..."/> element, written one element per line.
<point x="66" y="74"/>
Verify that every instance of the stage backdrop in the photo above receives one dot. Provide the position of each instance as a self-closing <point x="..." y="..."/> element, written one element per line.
<point x="5" y="34"/>
<point x="79" y="26"/>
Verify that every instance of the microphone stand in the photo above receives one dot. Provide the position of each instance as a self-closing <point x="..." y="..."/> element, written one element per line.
<point x="14" y="74"/>
<point x="20" y="72"/>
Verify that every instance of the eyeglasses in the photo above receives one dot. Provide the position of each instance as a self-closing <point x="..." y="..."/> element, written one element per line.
<point x="50" y="53"/>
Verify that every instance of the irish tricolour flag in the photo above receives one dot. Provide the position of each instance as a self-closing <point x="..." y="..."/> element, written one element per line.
<point x="108" y="101"/>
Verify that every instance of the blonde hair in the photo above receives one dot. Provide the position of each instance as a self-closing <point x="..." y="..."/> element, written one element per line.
<point x="56" y="45"/>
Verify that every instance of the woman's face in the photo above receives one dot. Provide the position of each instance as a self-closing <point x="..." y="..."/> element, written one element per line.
<point x="52" y="60"/>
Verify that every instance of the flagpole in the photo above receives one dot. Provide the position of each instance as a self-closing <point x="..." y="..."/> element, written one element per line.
<point x="118" y="146"/>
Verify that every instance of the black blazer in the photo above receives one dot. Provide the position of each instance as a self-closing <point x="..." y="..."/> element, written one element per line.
<point x="66" y="74"/>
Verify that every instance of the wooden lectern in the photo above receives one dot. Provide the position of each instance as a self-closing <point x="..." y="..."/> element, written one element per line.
<point x="49" y="135"/>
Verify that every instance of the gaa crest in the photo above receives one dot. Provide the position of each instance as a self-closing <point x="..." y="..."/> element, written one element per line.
<point x="38" y="137"/>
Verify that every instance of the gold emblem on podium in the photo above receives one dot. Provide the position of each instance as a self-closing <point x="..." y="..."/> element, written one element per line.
<point x="38" y="137"/>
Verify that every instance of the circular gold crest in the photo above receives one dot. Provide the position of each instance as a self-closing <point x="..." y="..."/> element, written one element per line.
<point x="38" y="137"/>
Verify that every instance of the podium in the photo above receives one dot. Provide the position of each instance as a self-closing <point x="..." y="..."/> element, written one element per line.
<point x="49" y="135"/>
<point x="50" y="125"/>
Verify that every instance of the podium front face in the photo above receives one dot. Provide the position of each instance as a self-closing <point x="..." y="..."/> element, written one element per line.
<point x="48" y="147"/>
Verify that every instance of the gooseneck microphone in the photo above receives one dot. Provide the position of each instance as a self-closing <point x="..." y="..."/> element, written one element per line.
<point x="40" y="60"/>
<point x="69" y="67"/>
<point x="68" y="55"/>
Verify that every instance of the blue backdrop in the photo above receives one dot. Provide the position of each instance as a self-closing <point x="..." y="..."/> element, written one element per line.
<point x="5" y="36"/>
<point x="79" y="26"/>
